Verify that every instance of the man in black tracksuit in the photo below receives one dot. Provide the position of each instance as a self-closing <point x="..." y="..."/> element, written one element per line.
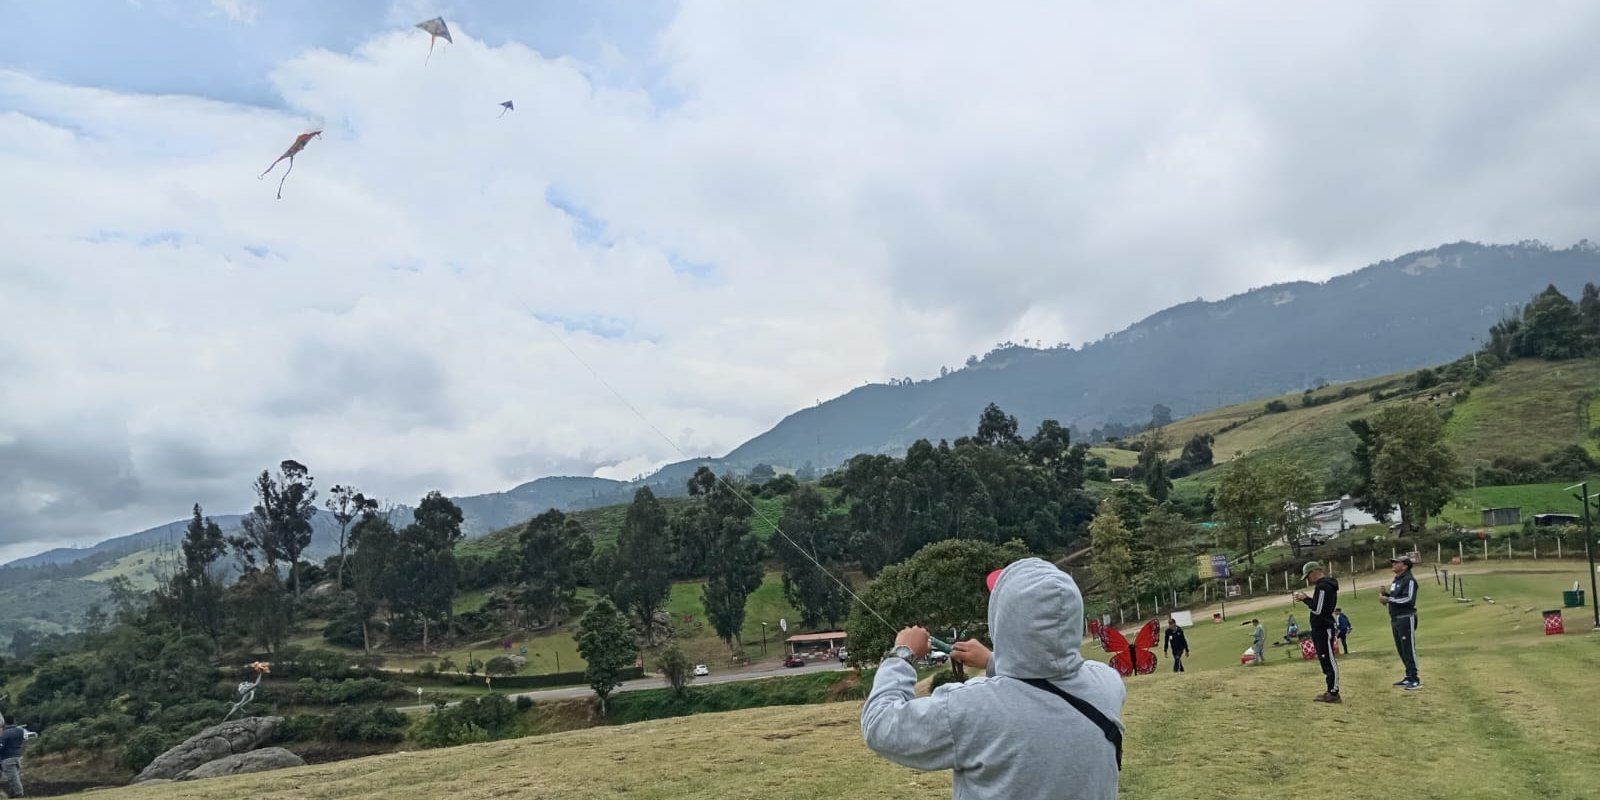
<point x="1179" y="643"/>
<point x="1324" y="598"/>
<point x="1401" y="598"/>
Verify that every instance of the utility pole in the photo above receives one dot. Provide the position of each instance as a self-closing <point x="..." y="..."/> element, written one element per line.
<point x="1588" y="545"/>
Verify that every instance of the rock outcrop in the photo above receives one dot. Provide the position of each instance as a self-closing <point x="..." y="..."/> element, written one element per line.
<point x="219" y="741"/>
<point x="263" y="760"/>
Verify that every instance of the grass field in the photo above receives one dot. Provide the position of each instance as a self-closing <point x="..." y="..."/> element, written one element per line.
<point x="1533" y="498"/>
<point x="1530" y="409"/>
<point x="1505" y="712"/>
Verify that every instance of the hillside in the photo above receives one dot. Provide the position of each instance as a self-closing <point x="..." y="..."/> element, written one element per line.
<point x="1503" y="706"/>
<point x="1527" y="410"/>
<point x="1419" y="309"/>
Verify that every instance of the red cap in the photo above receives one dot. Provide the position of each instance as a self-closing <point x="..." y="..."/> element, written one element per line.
<point x="994" y="577"/>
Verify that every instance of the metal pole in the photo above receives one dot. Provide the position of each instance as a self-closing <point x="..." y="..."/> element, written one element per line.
<point x="1588" y="549"/>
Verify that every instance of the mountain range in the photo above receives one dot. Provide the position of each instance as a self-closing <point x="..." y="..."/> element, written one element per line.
<point x="1419" y="309"/>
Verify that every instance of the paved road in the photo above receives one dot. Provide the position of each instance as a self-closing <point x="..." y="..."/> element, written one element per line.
<point x="751" y="673"/>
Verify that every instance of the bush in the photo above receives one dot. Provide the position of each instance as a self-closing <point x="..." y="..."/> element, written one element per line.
<point x="1277" y="407"/>
<point x="345" y="631"/>
<point x="298" y="728"/>
<point x="375" y="724"/>
<point x="524" y="703"/>
<point x="500" y="666"/>
<point x="482" y="719"/>
<point x="144" y="745"/>
<point x="310" y="691"/>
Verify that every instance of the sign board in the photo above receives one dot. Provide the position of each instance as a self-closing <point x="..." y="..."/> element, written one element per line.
<point x="1219" y="565"/>
<point x="1185" y="618"/>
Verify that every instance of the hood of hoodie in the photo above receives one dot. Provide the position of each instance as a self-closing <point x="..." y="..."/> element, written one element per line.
<point x="1036" y="621"/>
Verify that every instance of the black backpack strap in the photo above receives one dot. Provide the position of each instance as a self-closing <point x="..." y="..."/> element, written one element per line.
<point x="1109" y="728"/>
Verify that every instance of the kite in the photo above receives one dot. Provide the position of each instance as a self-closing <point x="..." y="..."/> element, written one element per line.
<point x="1132" y="659"/>
<point x="247" y="690"/>
<point x="436" y="30"/>
<point x="506" y="106"/>
<point x="300" y="143"/>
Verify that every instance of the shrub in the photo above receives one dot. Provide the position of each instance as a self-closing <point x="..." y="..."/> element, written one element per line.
<point x="478" y="720"/>
<point x="144" y="745"/>
<point x="298" y="728"/>
<point x="524" y="703"/>
<point x="375" y="724"/>
<point x="1277" y="407"/>
<point x="500" y="665"/>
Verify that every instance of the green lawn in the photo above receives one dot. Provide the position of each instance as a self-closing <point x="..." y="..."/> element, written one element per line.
<point x="1533" y="498"/>
<point x="1530" y="409"/>
<point x="1505" y="712"/>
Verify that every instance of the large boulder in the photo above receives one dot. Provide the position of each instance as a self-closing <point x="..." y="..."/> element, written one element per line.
<point x="263" y="760"/>
<point x="219" y="741"/>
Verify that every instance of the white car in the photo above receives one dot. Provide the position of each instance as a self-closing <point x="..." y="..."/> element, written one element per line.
<point x="701" y="670"/>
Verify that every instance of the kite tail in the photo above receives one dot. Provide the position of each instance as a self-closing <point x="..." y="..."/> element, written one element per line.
<point x="503" y="112"/>
<point x="284" y="178"/>
<point x="432" y="40"/>
<point x="269" y="169"/>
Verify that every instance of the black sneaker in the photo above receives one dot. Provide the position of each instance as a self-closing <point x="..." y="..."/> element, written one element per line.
<point x="1411" y="685"/>
<point x="1401" y="684"/>
<point x="1328" y="697"/>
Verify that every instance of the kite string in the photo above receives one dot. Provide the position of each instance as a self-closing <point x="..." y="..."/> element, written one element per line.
<point x="725" y="484"/>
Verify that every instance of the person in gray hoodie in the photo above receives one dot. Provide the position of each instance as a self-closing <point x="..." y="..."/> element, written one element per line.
<point x="1011" y="734"/>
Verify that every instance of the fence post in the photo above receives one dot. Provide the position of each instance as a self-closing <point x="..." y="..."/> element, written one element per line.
<point x="1508" y="548"/>
<point x="1372" y="560"/>
<point x="1205" y="593"/>
<point x="1286" y="580"/>
<point x="1438" y="552"/>
<point x="1175" y="598"/>
<point x="1461" y="552"/>
<point x="1138" y="610"/>
<point x="1352" y="562"/>
<point x="1535" y="549"/>
<point x="1485" y="548"/>
<point x="1558" y="547"/>
<point x="1252" y="580"/>
<point x="1392" y="551"/>
<point x="1121" y="619"/>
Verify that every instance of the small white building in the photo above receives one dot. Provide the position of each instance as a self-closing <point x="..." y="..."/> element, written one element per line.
<point x="1330" y="518"/>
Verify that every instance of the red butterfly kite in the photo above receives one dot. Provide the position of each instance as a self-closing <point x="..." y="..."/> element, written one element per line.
<point x="1138" y="658"/>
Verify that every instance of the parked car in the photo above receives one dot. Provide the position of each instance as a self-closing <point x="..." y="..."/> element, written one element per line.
<point x="793" y="660"/>
<point x="701" y="670"/>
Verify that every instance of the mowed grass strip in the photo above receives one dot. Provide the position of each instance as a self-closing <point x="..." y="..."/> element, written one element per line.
<point x="1505" y="712"/>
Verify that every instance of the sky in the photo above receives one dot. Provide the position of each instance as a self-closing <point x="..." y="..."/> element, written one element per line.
<point x="724" y="211"/>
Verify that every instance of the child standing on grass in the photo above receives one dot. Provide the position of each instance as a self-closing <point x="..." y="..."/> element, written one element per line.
<point x="1260" y="641"/>
<point x="1343" y="627"/>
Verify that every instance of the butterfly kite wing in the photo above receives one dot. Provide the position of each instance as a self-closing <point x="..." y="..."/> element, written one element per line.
<point x="1119" y="662"/>
<point x="1146" y="662"/>
<point x="1148" y="635"/>
<point x="1113" y="641"/>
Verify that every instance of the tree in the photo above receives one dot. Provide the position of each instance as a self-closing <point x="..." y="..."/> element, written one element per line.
<point x="500" y="666"/>
<point x="762" y="472"/>
<point x="1552" y="327"/>
<point x="1589" y="311"/>
<point x="346" y="504"/>
<point x="735" y="573"/>
<point x="278" y="528"/>
<point x="1112" y="557"/>
<point x="674" y="666"/>
<point x="259" y="603"/>
<point x="997" y="428"/>
<point x="1197" y="453"/>
<point x="1412" y="464"/>
<point x="941" y="586"/>
<point x="197" y="586"/>
<point x="374" y="541"/>
<point x="810" y="549"/>
<point x="642" y="563"/>
<point x="423" y="575"/>
<point x="1260" y="499"/>
<point x="1151" y="468"/>
<point x="1163" y="548"/>
<point x="1160" y="416"/>
<point x="607" y="648"/>
<point x="1367" y="495"/>
<point x="553" y="549"/>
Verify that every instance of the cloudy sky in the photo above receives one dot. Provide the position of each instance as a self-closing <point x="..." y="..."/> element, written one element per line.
<point x="727" y="209"/>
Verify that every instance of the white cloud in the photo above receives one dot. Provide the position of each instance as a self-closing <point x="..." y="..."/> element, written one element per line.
<point x="237" y="10"/>
<point x="876" y="191"/>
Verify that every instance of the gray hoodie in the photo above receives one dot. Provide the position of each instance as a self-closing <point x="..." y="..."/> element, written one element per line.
<point x="1002" y="737"/>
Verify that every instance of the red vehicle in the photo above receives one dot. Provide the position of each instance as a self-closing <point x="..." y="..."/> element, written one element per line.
<point x="793" y="660"/>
